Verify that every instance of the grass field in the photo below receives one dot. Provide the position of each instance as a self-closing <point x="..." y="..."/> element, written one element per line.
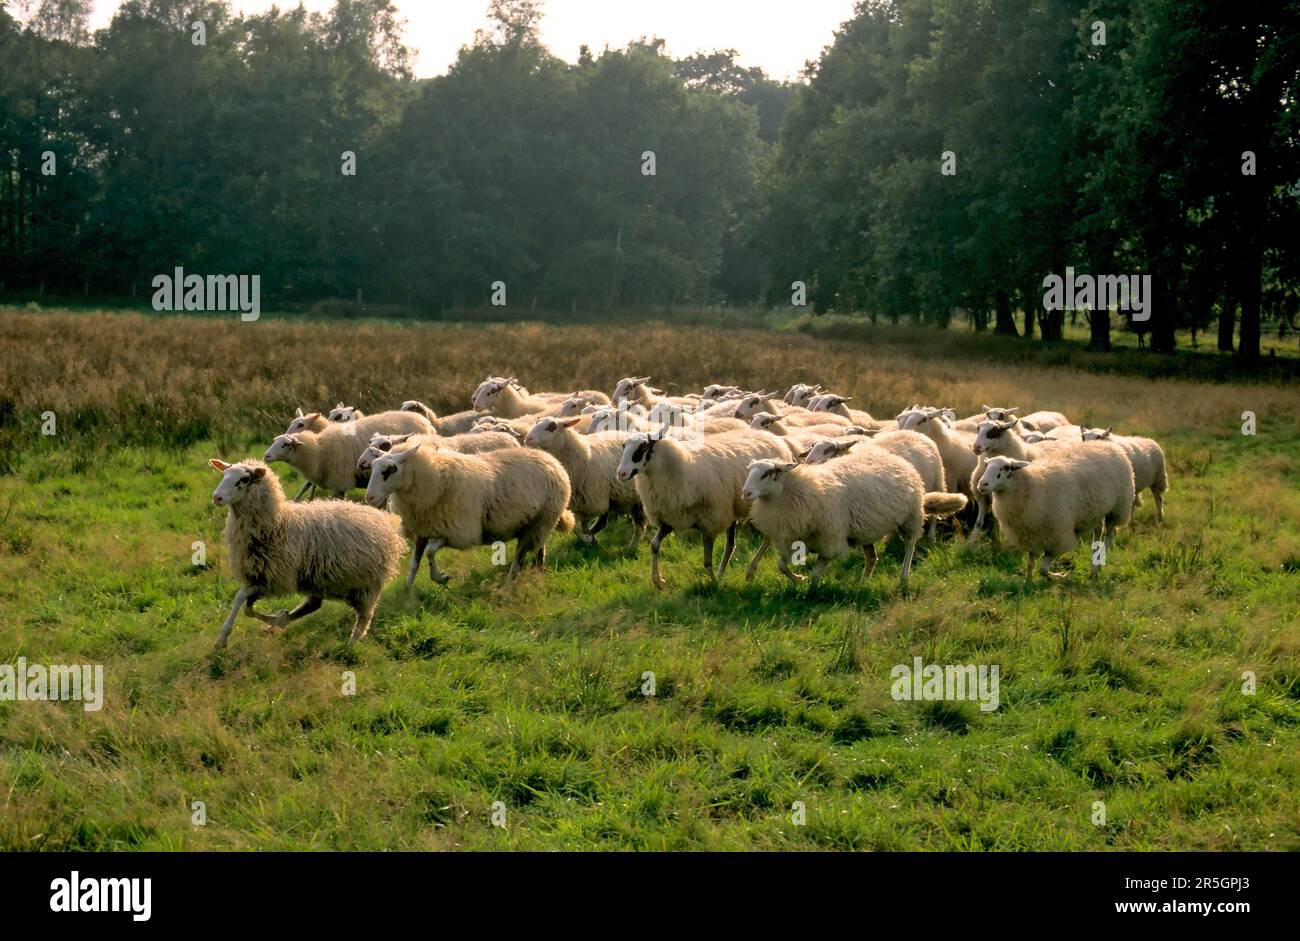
<point x="1125" y="690"/>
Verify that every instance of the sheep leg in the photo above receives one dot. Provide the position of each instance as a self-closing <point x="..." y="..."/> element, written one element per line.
<point x="438" y="576"/>
<point x="783" y="567"/>
<point x="869" y="561"/>
<point x="1029" y="566"/>
<point x="638" y="526"/>
<point x="728" y="550"/>
<point x="758" y="555"/>
<point x="417" y="553"/>
<point x="308" y="605"/>
<point x="365" y="608"/>
<point x="707" y="541"/>
<point x="978" y="528"/>
<point x="907" y="562"/>
<point x="598" y="525"/>
<point x="655" y="578"/>
<point x="818" y="568"/>
<point x="1160" y="506"/>
<point x="581" y="530"/>
<point x="249" y="601"/>
<point x="230" y="620"/>
<point x="539" y="558"/>
<point x="1045" y="566"/>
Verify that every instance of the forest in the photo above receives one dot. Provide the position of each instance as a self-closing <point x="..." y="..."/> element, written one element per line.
<point x="935" y="165"/>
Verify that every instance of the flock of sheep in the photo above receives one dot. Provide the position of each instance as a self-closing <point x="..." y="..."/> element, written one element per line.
<point x="811" y="474"/>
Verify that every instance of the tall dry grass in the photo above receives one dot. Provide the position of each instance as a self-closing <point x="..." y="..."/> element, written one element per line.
<point x="130" y="378"/>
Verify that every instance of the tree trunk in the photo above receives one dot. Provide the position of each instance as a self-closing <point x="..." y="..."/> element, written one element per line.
<point x="1227" y="322"/>
<point x="1030" y="304"/>
<point x="1163" y="306"/>
<point x="1252" y="276"/>
<point x="1005" y="320"/>
<point x="1099" y="331"/>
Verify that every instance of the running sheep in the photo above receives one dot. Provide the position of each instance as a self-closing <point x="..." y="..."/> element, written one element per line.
<point x="463" y="444"/>
<point x="465" y="500"/>
<point x="695" y="487"/>
<point x="830" y="508"/>
<point x="456" y="423"/>
<point x="506" y="398"/>
<point x="1148" y="460"/>
<point x="328" y="458"/>
<point x="1046" y="505"/>
<point x="328" y="550"/>
<point x="591" y="462"/>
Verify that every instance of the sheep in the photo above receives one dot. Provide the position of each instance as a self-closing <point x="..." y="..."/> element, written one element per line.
<point x="835" y="405"/>
<point x="506" y="398"/>
<point x="343" y="412"/>
<point x="576" y="404"/>
<point x="694" y="487"/>
<point x="311" y="421"/>
<point x="1035" y="421"/>
<point x="800" y="438"/>
<point x="634" y="390"/>
<point x="456" y="423"/>
<point x="591" y="462"/>
<point x="913" y="447"/>
<point x="800" y="394"/>
<point x="464" y="500"/>
<point x="328" y="458"/>
<point x="1148" y="460"/>
<point x="616" y="418"/>
<point x="831" y="507"/>
<point x="715" y="392"/>
<point x="331" y="549"/>
<point x="998" y="438"/>
<point x="464" y="444"/>
<point x="755" y="403"/>
<point x="955" y="446"/>
<point x="1045" y="505"/>
<point x="515" y="427"/>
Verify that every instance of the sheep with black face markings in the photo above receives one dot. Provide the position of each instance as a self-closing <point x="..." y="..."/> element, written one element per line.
<point x="695" y="485"/>
<point x="457" y="423"/>
<point x="998" y="438"/>
<point x="465" y="500"/>
<point x="506" y="398"/>
<point x="328" y="550"/>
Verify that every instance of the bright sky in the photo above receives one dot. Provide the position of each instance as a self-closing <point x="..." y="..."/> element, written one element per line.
<point x="778" y="35"/>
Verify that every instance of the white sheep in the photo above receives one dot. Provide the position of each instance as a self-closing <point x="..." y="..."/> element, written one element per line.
<point x="623" y="418"/>
<point x="464" y="500"/>
<point x="1148" y="461"/>
<point x="836" y="405"/>
<point x="695" y="487"/>
<point x="591" y="462"/>
<point x="330" y="549"/>
<point x="955" y="446"/>
<point x="999" y="438"/>
<point x="1046" y="505"/>
<point x="310" y="421"/>
<point x="456" y="423"/>
<point x="800" y="438"/>
<point x="634" y="390"/>
<point x="830" y="508"/>
<point x="506" y="398"/>
<point x="800" y="394"/>
<point x="1035" y="421"/>
<point x="716" y="392"/>
<point x="328" y="458"/>
<point x="470" y="443"/>
<point x="343" y="412"/>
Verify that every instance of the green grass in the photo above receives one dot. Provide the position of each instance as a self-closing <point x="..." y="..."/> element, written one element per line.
<point x="1125" y="690"/>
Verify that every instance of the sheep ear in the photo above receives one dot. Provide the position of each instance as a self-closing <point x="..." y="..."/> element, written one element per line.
<point x="846" y="398"/>
<point x="259" y="473"/>
<point x="298" y="413"/>
<point x="400" y="439"/>
<point x="1017" y="465"/>
<point x="340" y="405"/>
<point x="842" y="447"/>
<point x="312" y="417"/>
<point x="1008" y="425"/>
<point x="1012" y="411"/>
<point x="787" y="466"/>
<point x="219" y="466"/>
<point x="985" y="409"/>
<point x="570" y="422"/>
<point x="401" y="456"/>
<point x="802" y="456"/>
<point x="1106" y="433"/>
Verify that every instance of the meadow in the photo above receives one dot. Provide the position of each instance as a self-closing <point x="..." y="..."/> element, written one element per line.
<point x="1125" y="690"/>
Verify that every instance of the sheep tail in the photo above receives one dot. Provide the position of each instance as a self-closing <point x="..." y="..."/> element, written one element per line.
<point x="566" y="522"/>
<point x="943" y="504"/>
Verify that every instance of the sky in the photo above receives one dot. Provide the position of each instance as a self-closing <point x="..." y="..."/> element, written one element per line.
<point x="778" y="35"/>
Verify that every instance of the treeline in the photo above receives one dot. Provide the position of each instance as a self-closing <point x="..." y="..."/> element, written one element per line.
<point x="943" y="157"/>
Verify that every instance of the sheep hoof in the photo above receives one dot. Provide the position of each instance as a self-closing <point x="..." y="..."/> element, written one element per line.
<point x="658" y="583"/>
<point x="441" y="578"/>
